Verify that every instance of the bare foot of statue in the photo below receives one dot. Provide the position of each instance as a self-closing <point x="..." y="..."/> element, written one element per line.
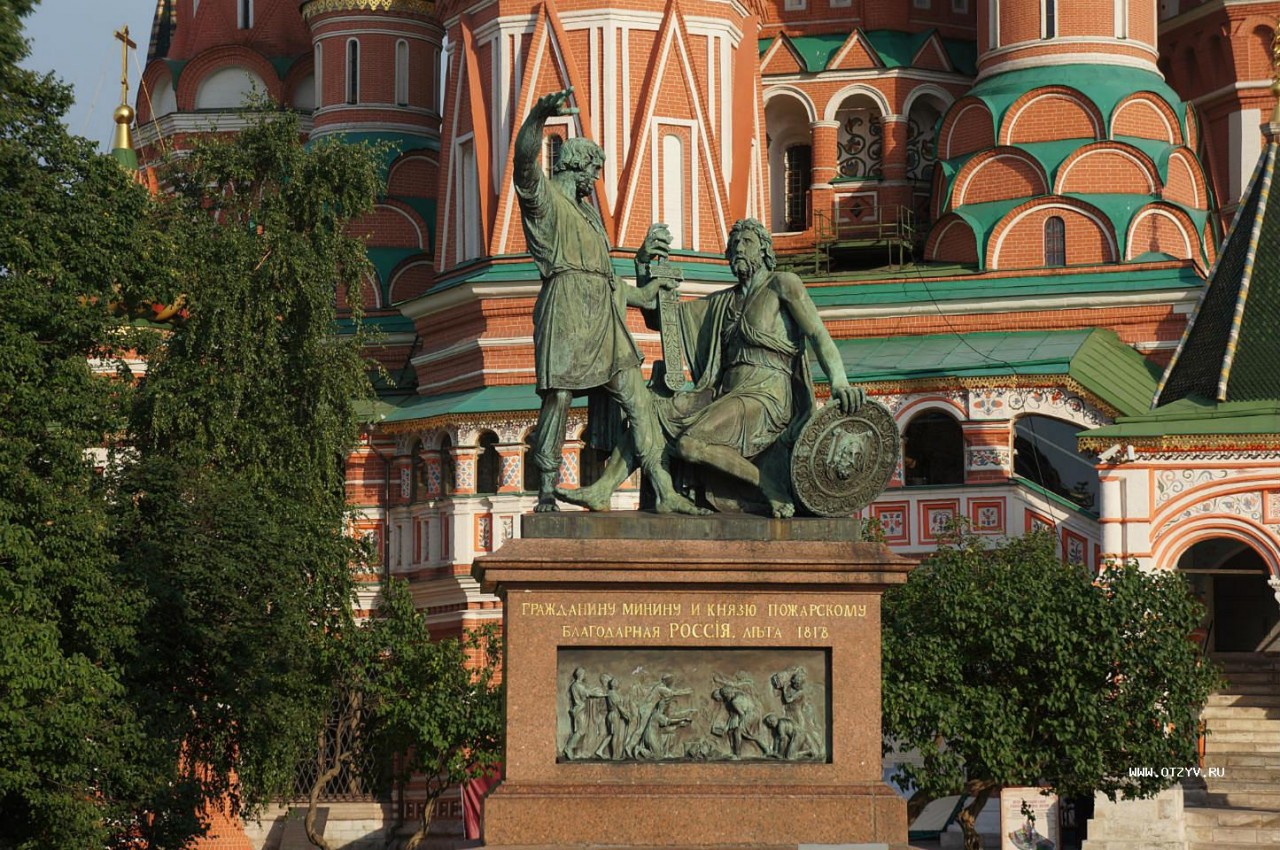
<point x="674" y="503"/>
<point x="780" y="503"/>
<point x="593" y="498"/>
<point x="782" y="509"/>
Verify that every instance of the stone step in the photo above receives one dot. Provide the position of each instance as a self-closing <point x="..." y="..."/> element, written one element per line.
<point x="1264" y="689"/>
<point x="1239" y="743"/>
<point x="1228" y="760"/>
<point x="1232" y="836"/>
<point x="1258" y="700"/>
<point x="1255" y="796"/>
<point x="1223" y="727"/>
<point x="1128" y="844"/>
<point x="1201" y="818"/>
<point x="1218" y="845"/>
<point x="1216" y="713"/>
<point x="1249" y="660"/>
<point x="1236" y="678"/>
<point x="1234" y="774"/>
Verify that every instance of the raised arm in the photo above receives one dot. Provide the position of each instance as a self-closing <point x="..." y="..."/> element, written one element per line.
<point x="792" y="292"/>
<point x="528" y="150"/>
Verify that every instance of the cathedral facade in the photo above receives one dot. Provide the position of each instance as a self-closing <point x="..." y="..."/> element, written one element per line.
<point x="1010" y="214"/>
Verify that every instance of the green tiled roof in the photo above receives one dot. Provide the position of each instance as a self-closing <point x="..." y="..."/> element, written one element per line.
<point x="1105" y="85"/>
<point x="894" y="48"/>
<point x="380" y="324"/>
<point x="817" y="50"/>
<point x="395" y="143"/>
<point x="426" y="210"/>
<point x="1230" y="351"/>
<point x="1195" y="416"/>
<point x="1095" y="358"/>
<point x="483" y="400"/>
<point x="1093" y="280"/>
<point x="525" y="270"/>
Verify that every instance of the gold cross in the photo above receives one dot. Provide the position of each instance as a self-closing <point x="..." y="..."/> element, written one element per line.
<point x="122" y="35"/>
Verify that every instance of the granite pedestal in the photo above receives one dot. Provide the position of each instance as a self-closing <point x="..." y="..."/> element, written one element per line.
<point x="674" y="644"/>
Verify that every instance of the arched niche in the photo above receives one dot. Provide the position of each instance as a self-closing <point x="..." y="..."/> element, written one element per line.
<point x="1229" y="577"/>
<point x="1044" y="453"/>
<point x="932" y="450"/>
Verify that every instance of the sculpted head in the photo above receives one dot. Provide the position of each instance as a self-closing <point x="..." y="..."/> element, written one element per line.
<point x="750" y="248"/>
<point x="582" y="158"/>
<point x="846" y="456"/>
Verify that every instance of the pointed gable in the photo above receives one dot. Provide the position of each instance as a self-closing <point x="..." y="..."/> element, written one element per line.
<point x="856" y="54"/>
<point x="932" y="55"/>
<point x="781" y="58"/>
<point x="1231" y="347"/>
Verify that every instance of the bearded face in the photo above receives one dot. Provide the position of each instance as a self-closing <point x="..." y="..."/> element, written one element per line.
<point x="746" y="255"/>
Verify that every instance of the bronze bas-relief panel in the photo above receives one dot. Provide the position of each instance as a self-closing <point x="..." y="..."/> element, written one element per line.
<point x="642" y="704"/>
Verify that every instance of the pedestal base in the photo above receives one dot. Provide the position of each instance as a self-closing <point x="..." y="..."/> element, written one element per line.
<point x="694" y="816"/>
<point x="709" y="683"/>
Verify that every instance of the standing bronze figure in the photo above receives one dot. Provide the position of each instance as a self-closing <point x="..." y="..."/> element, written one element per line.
<point x="581" y="341"/>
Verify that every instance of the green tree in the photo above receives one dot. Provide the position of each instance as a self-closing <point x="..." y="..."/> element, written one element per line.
<point x="1005" y="666"/>
<point x="76" y="237"/>
<point x="235" y="528"/>
<point x="435" y="705"/>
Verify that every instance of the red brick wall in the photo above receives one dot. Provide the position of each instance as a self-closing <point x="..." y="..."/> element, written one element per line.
<point x="1049" y="114"/>
<point x="1110" y="167"/>
<point x="1184" y="181"/>
<point x="1001" y="175"/>
<point x="1018" y="241"/>
<point x="413" y="176"/>
<point x="952" y="240"/>
<point x="1146" y="117"/>
<point x="1164" y="229"/>
<point x="968" y="127"/>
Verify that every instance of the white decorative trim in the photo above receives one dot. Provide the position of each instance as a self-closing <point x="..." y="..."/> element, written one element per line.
<point x="1095" y="301"/>
<point x="1041" y="61"/>
<point x="837" y="100"/>
<point x="801" y="95"/>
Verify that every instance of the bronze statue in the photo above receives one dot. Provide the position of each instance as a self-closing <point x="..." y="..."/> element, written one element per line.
<point x="581" y="341"/>
<point x="580" y="695"/>
<point x="752" y="391"/>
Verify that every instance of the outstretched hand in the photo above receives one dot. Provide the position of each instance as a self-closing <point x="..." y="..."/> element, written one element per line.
<point x="848" y="398"/>
<point x="657" y="243"/>
<point x="553" y="104"/>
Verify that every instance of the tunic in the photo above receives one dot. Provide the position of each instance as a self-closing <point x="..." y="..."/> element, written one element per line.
<point x="580" y="337"/>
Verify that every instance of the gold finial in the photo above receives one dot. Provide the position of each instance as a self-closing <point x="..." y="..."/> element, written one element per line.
<point x="1275" y="73"/>
<point x="123" y="138"/>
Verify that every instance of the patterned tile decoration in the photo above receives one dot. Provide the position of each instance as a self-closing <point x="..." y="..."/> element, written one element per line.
<point x="1174" y="482"/>
<point x="986" y="516"/>
<point x="406" y="482"/>
<point x="465" y="472"/>
<point x="434" y="477"/>
<point x="1273" y="507"/>
<point x="1006" y="403"/>
<point x="512" y="474"/>
<point x="895" y="521"/>
<point x="1039" y="522"/>
<point x="568" y="476"/>
<point x="1247" y="505"/>
<point x="484" y="532"/>
<point x="1074" y="548"/>
<point x="935" y="516"/>
<point x="988" y="457"/>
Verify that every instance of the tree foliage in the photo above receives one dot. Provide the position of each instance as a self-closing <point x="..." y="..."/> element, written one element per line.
<point x="235" y="527"/>
<point x="436" y="705"/>
<point x="74" y="238"/>
<point x="1005" y="666"/>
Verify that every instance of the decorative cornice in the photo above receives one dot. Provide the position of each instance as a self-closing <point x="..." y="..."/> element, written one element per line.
<point x="311" y="8"/>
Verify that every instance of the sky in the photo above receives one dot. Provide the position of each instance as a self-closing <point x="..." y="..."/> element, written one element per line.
<point x="73" y="39"/>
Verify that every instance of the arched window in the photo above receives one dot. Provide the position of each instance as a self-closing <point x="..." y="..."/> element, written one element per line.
<point x="448" y="474"/>
<point x="353" y="71"/>
<point x="244" y="16"/>
<point x="551" y="146"/>
<point x="797" y="175"/>
<point x="1055" y="242"/>
<point x="319" y="75"/>
<point x="933" y="450"/>
<point x="532" y="475"/>
<point x="1044" y="452"/>
<point x="673" y="185"/>
<point x="1049" y="19"/>
<point x="489" y="464"/>
<point x="402" y="73"/>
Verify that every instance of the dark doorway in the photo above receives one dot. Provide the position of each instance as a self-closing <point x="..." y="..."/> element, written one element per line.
<point x="1230" y="579"/>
